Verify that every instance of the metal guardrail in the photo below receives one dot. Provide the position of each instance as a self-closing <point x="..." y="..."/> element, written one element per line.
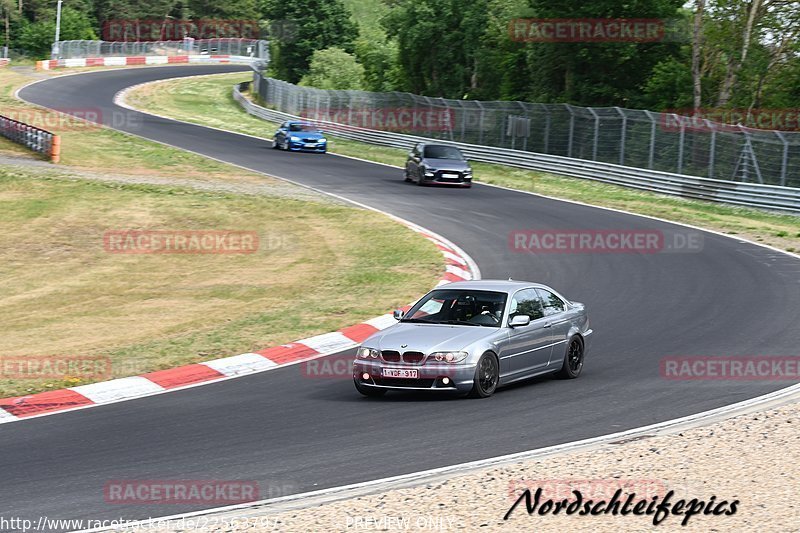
<point x="31" y="137"/>
<point x="730" y="192"/>
<point x="255" y="48"/>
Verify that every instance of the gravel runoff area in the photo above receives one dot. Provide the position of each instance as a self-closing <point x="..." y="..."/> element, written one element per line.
<point x="750" y="459"/>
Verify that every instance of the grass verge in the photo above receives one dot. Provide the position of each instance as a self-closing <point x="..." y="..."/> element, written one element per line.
<point x="208" y="101"/>
<point x="319" y="266"/>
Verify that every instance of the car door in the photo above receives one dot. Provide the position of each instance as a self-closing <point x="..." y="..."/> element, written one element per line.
<point x="557" y="322"/>
<point x="527" y="349"/>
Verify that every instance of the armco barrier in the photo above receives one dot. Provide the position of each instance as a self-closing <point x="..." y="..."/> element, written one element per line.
<point x="115" y="61"/>
<point x="745" y="194"/>
<point x="36" y="139"/>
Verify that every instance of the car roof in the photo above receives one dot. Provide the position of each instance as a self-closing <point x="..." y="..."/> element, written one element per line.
<point x="501" y="285"/>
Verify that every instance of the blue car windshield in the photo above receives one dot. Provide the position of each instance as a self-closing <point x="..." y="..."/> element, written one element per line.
<point x="443" y="152"/>
<point x="302" y="127"/>
<point x="459" y="306"/>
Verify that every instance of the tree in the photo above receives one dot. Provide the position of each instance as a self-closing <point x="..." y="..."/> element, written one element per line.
<point x="37" y="38"/>
<point x="315" y="26"/>
<point x="333" y="68"/>
<point x="438" y="43"/>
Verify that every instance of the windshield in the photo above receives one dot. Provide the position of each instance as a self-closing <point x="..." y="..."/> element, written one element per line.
<point x="465" y="307"/>
<point x="443" y="152"/>
<point x="302" y="127"/>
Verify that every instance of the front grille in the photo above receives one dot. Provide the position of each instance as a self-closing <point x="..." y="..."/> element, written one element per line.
<point x="413" y="357"/>
<point x="391" y="356"/>
<point x="309" y="140"/>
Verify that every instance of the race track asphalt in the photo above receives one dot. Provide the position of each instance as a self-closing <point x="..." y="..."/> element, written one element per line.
<point x="293" y="434"/>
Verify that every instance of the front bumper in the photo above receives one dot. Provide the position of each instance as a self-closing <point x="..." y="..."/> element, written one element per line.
<point x="460" y="377"/>
<point x="296" y="146"/>
<point x="449" y="177"/>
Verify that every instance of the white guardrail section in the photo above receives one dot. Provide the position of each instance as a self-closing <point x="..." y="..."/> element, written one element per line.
<point x="745" y="194"/>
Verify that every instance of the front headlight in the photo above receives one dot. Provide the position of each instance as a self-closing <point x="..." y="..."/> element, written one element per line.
<point x="450" y="357"/>
<point x="468" y="171"/>
<point x="430" y="171"/>
<point x="294" y="139"/>
<point x="322" y="140"/>
<point x="366" y="353"/>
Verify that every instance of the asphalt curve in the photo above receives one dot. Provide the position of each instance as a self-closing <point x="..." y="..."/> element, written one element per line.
<point x="294" y="434"/>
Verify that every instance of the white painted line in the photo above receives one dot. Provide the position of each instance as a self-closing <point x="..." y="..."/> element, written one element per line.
<point x="454" y="257"/>
<point x="5" y="416"/>
<point x="460" y="272"/>
<point x="116" y="389"/>
<point x="381" y="322"/>
<point x="329" y="343"/>
<point x="245" y="363"/>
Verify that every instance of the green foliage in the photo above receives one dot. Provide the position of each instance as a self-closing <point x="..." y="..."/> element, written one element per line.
<point x="314" y="26"/>
<point x="333" y="68"/>
<point x="37" y="37"/>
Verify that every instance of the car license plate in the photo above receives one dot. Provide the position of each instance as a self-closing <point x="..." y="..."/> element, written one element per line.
<point x="400" y="373"/>
<point x="453" y="176"/>
<point x="311" y="145"/>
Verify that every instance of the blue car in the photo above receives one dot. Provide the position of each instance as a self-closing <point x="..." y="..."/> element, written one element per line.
<point x="299" y="137"/>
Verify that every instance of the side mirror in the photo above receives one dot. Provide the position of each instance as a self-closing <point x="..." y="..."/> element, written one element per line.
<point x="519" y="320"/>
<point x="398" y="314"/>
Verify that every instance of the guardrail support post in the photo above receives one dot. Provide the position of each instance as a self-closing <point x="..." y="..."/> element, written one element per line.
<point x="55" y="149"/>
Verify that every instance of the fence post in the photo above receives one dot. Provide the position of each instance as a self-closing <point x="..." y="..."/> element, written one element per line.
<point x="622" y="136"/>
<point x="546" y="129"/>
<point x="480" y="122"/>
<point x="680" y="144"/>
<point x="651" y="156"/>
<point x="784" y="157"/>
<point x="713" y="149"/>
<point x="596" y="132"/>
<point x="571" y="129"/>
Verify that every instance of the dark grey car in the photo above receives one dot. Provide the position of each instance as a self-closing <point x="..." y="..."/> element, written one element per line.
<point x="438" y="164"/>
<point x="474" y="336"/>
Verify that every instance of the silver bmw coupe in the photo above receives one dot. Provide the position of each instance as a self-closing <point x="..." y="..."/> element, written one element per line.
<point x="473" y="336"/>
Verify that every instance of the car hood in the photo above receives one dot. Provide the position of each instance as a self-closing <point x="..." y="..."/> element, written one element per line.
<point x="427" y="338"/>
<point x="449" y="164"/>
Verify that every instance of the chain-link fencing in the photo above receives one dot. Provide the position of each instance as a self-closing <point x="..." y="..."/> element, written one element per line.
<point x="667" y="142"/>
<point x="255" y="48"/>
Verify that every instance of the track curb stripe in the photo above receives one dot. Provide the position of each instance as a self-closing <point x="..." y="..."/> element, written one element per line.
<point x="122" y="61"/>
<point x="458" y="267"/>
